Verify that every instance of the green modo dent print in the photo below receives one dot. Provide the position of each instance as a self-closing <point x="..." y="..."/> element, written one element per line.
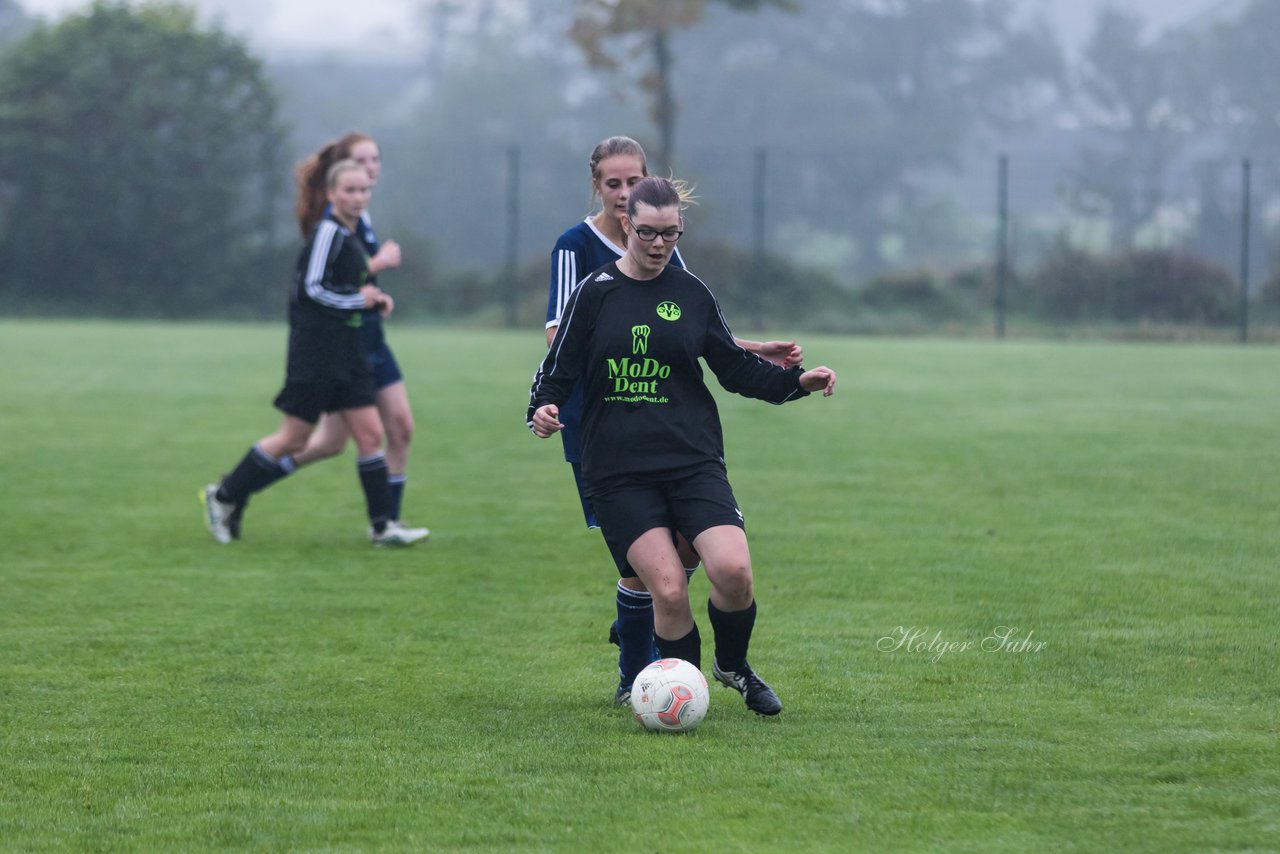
<point x="638" y="378"/>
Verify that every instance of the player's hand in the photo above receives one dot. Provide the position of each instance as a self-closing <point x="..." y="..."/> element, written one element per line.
<point x="387" y="257"/>
<point x="387" y="305"/>
<point x="786" y="354"/>
<point x="372" y="295"/>
<point x="819" y="378"/>
<point x="546" y="421"/>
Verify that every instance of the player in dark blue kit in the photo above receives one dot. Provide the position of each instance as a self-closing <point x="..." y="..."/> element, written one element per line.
<point x="616" y="165"/>
<point x="326" y="369"/>
<point x="632" y="335"/>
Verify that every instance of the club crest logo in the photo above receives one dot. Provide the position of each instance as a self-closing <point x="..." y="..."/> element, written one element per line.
<point x="668" y="311"/>
<point x="640" y="340"/>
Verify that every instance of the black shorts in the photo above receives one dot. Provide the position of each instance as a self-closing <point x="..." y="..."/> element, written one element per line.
<point x="326" y="372"/>
<point x="688" y="501"/>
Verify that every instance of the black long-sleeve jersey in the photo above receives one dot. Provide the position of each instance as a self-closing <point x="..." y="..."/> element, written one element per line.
<point x="325" y="306"/>
<point x="331" y="269"/>
<point x="635" y="346"/>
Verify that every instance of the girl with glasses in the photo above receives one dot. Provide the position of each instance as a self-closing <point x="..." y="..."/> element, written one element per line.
<point x="616" y="165"/>
<point x="631" y="335"/>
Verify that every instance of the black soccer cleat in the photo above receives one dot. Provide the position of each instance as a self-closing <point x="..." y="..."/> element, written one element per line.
<point x="236" y="516"/>
<point x="235" y="519"/>
<point x="759" y="696"/>
<point x="622" y="696"/>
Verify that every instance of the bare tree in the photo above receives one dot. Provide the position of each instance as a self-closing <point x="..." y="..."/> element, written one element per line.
<point x="1129" y="100"/>
<point x="598" y="23"/>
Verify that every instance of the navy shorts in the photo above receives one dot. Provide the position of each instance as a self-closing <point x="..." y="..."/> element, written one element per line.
<point x="381" y="360"/>
<point x="588" y="511"/>
<point x="689" y="501"/>
<point x="571" y="419"/>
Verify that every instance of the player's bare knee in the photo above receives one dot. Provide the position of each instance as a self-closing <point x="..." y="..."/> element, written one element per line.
<point x="399" y="432"/>
<point x="403" y="427"/>
<point x="670" y="591"/>
<point x="670" y="606"/>
<point x="732" y="579"/>
<point x="368" y="442"/>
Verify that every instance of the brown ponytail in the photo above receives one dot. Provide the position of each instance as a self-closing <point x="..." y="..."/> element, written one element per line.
<point x="311" y="178"/>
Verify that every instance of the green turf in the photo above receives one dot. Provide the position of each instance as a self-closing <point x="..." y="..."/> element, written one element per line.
<point x="1115" y="507"/>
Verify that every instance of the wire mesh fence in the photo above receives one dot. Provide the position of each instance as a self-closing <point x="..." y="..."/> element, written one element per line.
<point x="499" y="210"/>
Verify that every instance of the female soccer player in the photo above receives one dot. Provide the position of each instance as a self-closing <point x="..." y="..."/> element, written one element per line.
<point x="652" y="447"/>
<point x="326" y="369"/>
<point x="616" y="165"/>
<point x="331" y="435"/>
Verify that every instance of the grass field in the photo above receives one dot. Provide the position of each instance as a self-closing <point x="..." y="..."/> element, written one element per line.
<point x="1015" y="596"/>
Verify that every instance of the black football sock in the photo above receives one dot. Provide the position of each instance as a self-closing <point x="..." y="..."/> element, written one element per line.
<point x="256" y="471"/>
<point x="688" y="647"/>
<point x="285" y="466"/>
<point x="732" y="631"/>
<point x="635" y="632"/>
<point x="396" y="483"/>
<point x="377" y="493"/>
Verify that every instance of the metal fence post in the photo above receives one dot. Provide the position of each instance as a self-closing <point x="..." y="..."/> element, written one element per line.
<point x="1246" y="181"/>
<point x="758" y="237"/>
<point x="513" y="236"/>
<point x="1002" y="244"/>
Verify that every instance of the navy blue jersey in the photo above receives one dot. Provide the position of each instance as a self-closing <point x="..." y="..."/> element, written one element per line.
<point x="372" y="316"/>
<point x="581" y="250"/>
<point x="634" y="348"/>
<point x="364" y="231"/>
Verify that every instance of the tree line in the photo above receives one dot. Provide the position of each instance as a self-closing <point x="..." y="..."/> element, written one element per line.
<point x="145" y="159"/>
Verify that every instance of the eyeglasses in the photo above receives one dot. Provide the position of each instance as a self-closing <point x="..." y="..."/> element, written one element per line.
<point x="647" y="234"/>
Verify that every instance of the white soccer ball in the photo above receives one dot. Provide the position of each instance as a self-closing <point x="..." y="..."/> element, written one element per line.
<point x="670" y="695"/>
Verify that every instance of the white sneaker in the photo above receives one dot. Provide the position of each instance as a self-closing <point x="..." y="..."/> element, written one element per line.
<point x="396" y="534"/>
<point x="217" y="514"/>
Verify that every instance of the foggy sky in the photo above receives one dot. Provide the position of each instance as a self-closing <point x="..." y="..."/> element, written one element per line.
<point x="388" y="29"/>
